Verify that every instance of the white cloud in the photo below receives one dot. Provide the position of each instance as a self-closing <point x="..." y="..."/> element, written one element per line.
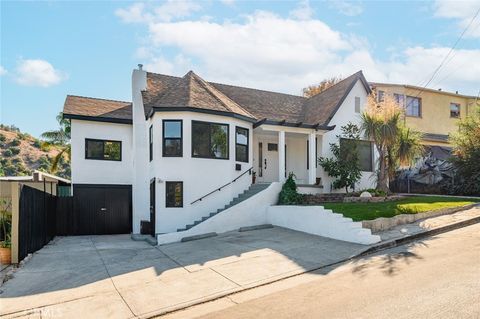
<point x="348" y="8"/>
<point x="303" y="12"/>
<point x="38" y="73"/>
<point x="462" y="11"/>
<point x="228" y="2"/>
<point x="270" y="52"/>
<point x="168" y="11"/>
<point x="3" y="71"/>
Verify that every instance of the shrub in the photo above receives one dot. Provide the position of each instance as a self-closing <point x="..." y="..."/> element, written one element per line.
<point x="23" y="136"/>
<point x="344" y="166"/>
<point x="37" y="144"/>
<point x="14" y="150"/>
<point x="288" y="194"/>
<point x="7" y="153"/>
<point x="15" y="142"/>
<point x="2" y="138"/>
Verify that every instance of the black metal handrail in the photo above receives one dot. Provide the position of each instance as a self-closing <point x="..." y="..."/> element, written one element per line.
<point x="223" y="186"/>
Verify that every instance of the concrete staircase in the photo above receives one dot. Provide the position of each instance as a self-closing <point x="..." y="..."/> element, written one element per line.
<point x="253" y="190"/>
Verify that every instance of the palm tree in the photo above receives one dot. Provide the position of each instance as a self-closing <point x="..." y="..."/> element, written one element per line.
<point x="396" y="145"/>
<point x="61" y="138"/>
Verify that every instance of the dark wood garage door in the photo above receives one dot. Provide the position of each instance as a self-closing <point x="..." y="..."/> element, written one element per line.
<point x="102" y="209"/>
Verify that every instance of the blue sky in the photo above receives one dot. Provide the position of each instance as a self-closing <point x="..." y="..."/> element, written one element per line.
<point x="50" y="49"/>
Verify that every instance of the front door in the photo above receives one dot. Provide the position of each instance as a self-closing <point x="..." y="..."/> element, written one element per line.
<point x="152" y="207"/>
<point x="267" y="161"/>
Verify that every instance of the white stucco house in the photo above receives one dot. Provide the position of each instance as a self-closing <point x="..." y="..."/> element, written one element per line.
<point x="184" y="148"/>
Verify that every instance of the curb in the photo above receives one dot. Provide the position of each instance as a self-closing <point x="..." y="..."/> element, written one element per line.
<point x="400" y="241"/>
<point x="368" y="251"/>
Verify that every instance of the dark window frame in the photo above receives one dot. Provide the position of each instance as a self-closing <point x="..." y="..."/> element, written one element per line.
<point x="210" y="140"/>
<point x="102" y="158"/>
<point x="166" y="194"/>
<point x="150" y="142"/>
<point x="459" y="110"/>
<point x="308" y="154"/>
<point x="172" y="138"/>
<point x="247" y="145"/>
<point x="372" y="154"/>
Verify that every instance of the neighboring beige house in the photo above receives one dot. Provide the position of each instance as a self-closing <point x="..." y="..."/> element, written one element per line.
<point x="432" y="112"/>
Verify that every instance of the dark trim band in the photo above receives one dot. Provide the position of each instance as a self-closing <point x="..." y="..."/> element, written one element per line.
<point x="291" y="124"/>
<point x="198" y="110"/>
<point x="97" y="119"/>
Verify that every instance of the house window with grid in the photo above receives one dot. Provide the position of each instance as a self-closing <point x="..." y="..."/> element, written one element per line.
<point x="381" y="96"/>
<point x="172" y="138"/>
<point x="174" y="194"/>
<point x="241" y="144"/>
<point x="413" y="106"/>
<point x="400" y="99"/>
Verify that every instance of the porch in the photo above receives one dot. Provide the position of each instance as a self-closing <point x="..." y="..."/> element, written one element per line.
<point x="280" y="150"/>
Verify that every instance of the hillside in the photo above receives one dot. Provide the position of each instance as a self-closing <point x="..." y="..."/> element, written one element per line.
<point x="21" y="153"/>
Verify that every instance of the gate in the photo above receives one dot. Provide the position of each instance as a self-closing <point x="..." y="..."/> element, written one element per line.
<point x="95" y="210"/>
<point x="37" y="220"/>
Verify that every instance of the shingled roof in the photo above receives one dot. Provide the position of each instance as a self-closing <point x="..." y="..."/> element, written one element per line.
<point x="80" y="107"/>
<point x="190" y="91"/>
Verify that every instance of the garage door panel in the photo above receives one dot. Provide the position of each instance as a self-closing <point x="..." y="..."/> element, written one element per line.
<point x="102" y="209"/>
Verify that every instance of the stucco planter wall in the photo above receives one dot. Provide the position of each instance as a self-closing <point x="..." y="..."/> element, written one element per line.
<point x="384" y="223"/>
<point x="371" y="199"/>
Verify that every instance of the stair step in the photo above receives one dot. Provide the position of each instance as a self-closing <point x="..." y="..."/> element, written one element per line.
<point x="251" y="191"/>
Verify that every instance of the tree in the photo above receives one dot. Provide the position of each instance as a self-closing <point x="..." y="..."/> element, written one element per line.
<point x="312" y="90"/>
<point x="466" y="151"/>
<point x="396" y="144"/>
<point x="60" y="137"/>
<point x="345" y="164"/>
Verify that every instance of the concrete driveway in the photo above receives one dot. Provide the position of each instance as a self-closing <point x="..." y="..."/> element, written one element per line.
<point x="115" y="277"/>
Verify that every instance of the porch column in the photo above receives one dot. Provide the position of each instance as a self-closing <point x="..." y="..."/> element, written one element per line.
<point x="312" y="171"/>
<point x="281" y="156"/>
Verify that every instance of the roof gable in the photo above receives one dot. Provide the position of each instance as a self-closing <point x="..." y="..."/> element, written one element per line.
<point x="321" y="107"/>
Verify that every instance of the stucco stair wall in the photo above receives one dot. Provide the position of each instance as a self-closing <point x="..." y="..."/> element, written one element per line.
<point x="320" y="221"/>
<point x="259" y="209"/>
<point x="249" y="212"/>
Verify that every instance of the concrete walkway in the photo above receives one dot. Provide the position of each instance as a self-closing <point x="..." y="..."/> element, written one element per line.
<point x="115" y="277"/>
<point x="428" y="224"/>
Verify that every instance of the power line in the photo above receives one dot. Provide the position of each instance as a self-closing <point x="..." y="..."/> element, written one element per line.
<point x="446" y="57"/>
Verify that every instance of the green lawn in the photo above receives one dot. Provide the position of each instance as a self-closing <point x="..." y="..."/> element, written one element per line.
<point x="409" y="205"/>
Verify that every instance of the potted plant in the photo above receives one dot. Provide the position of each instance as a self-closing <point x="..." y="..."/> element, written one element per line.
<point x="254" y="177"/>
<point x="5" y="231"/>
